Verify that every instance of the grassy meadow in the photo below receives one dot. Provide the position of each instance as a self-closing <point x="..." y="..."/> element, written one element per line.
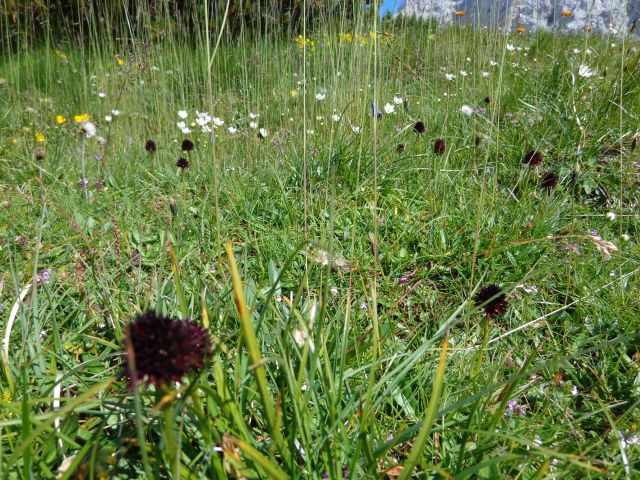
<point x="414" y="250"/>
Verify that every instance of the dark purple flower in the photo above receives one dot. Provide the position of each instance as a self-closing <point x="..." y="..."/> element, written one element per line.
<point x="21" y="240"/>
<point x="419" y="127"/>
<point x="548" y="180"/>
<point x="187" y="145"/>
<point x="487" y="100"/>
<point x="182" y="163"/>
<point x="478" y="140"/>
<point x="83" y="182"/>
<point x="533" y="158"/>
<point x="400" y="148"/>
<point x="39" y="152"/>
<point x="165" y="349"/>
<point x="99" y="184"/>
<point x="439" y="147"/>
<point x="150" y="146"/>
<point x="492" y="300"/>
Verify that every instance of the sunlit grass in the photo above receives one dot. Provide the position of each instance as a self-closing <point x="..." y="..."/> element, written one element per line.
<point x="353" y="334"/>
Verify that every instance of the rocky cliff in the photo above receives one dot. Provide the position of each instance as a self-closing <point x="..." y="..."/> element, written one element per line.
<point x="604" y="16"/>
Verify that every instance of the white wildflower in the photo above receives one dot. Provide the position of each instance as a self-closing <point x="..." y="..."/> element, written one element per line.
<point x="253" y="125"/>
<point x="232" y="129"/>
<point x="321" y="96"/>
<point x="108" y="118"/>
<point x="88" y="128"/>
<point x="335" y="117"/>
<point x="183" y="114"/>
<point x="611" y="216"/>
<point x="398" y="100"/>
<point x="585" y="71"/>
<point x="389" y="108"/>
<point x="466" y="110"/>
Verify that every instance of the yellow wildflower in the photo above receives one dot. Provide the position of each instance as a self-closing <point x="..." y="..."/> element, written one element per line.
<point x="294" y="93"/>
<point x="459" y="13"/>
<point x="60" y="119"/>
<point x="81" y="118"/>
<point x="39" y="137"/>
<point x="566" y="13"/>
<point x="119" y="61"/>
<point x="521" y="29"/>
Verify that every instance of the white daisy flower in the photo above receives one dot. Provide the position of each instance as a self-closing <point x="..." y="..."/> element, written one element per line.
<point x="585" y="71"/>
<point x="115" y="113"/>
<point x="355" y="129"/>
<point x="335" y="117"/>
<point x="321" y="96"/>
<point x="389" y="108"/>
<point x="108" y="118"/>
<point x="218" y="122"/>
<point x="186" y="130"/>
<point x="263" y="132"/>
<point x="232" y="129"/>
<point x="102" y="94"/>
<point x="181" y="125"/>
<point x="463" y="73"/>
<point x="89" y="129"/>
<point x="466" y="110"/>
<point x="253" y="125"/>
<point x="449" y="76"/>
<point x="398" y="100"/>
<point x="510" y="47"/>
<point x="183" y="114"/>
<point x="485" y="74"/>
<point x="493" y="63"/>
<point x="253" y="115"/>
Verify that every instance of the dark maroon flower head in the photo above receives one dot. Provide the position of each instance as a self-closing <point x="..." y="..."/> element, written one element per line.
<point x="439" y="147"/>
<point x="182" y="163"/>
<point x="419" y="127"/>
<point x="487" y="100"/>
<point x="492" y="300"/>
<point x="634" y="142"/>
<point x="400" y="148"/>
<point x="549" y="180"/>
<point x="150" y="146"/>
<point x="533" y="158"/>
<point x="187" y="145"/>
<point x="165" y="349"/>
<point x="39" y="152"/>
<point x="478" y="140"/>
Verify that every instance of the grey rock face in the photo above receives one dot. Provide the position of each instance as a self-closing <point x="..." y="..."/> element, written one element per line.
<point x="603" y="16"/>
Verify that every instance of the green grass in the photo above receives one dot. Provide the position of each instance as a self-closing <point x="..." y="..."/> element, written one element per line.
<point x="400" y="366"/>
